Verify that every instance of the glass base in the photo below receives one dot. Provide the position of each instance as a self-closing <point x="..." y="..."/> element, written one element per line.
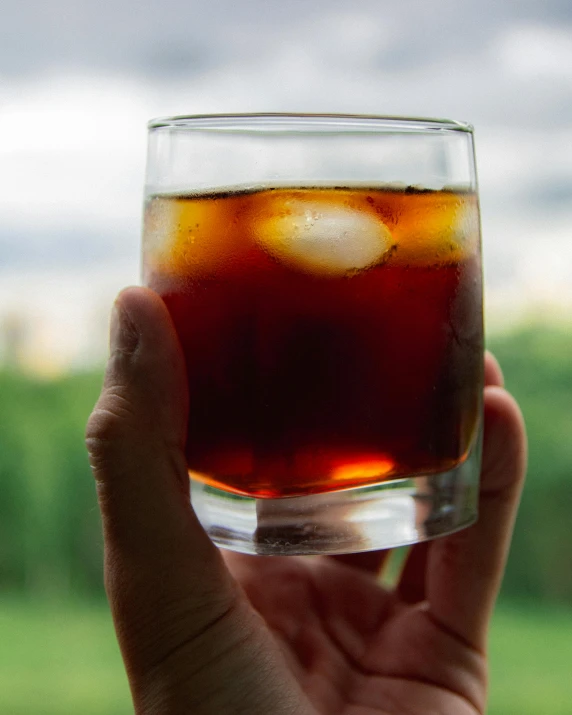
<point x="385" y="515"/>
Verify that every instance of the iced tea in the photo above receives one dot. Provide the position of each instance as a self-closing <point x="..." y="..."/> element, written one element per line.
<point x="332" y="335"/>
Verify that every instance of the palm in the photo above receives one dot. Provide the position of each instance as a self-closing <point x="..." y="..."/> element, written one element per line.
<point x="356" y="648"/>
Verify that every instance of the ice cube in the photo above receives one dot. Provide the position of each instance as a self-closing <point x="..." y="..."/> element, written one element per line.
<point x="322" y="237"/>
<point x="443" y="228"/>
<point x="187" y="236"/>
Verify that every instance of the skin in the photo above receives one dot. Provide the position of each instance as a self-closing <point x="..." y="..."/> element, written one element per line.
<point x="207" y="632"/>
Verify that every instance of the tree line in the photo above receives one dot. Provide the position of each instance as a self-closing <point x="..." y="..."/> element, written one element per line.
<point x="50" y="540"/>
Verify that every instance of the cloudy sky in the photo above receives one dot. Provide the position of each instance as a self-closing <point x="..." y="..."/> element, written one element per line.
<point x="79" y="80"/>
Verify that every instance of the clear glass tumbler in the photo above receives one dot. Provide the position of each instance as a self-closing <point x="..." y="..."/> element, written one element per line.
<point x="324" y="277"/>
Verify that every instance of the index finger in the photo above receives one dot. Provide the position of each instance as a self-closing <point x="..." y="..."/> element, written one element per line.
<point x="464" y="570"/>
<point x="412" y="582"/>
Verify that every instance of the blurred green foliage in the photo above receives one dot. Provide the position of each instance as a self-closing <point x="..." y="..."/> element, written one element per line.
<point x="50" y="542"/>
<point x="537" y="364"/>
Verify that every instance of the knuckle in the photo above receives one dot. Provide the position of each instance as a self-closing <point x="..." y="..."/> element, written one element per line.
<point x="111" y="424"/>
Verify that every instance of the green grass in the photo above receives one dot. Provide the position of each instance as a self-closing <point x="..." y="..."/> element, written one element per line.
<point x="60" y="661"/>
<point x="64" y="661"/>
<point x="531" y="657"/>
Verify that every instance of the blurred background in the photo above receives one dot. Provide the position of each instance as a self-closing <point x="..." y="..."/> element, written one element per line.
<point x="78" y="81"/>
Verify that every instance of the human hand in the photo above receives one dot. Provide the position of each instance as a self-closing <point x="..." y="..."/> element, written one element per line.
<point x="208" y="632"/>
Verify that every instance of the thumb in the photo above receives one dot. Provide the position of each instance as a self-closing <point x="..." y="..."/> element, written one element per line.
<point x="169" y="590"/>
<point x="136" y="439"/>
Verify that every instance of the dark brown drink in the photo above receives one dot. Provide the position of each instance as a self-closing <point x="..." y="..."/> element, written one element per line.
<point x="333" y="336"/>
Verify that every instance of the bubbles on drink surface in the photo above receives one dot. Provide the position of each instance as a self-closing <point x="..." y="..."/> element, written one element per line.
<point x="326" y="232"/>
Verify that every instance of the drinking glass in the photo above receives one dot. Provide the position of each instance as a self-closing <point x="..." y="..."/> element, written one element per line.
<point x="323" y="274"/>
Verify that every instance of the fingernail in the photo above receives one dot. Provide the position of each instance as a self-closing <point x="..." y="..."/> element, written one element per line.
<point x="123" y="334"/>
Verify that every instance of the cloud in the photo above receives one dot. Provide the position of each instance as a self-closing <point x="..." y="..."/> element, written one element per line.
<point x="538" y="52"/>
<point x="189" y="36"/>
<point x="74" y="162"/>
<point x="78" y="81"/>
<point x="73" y="153"/>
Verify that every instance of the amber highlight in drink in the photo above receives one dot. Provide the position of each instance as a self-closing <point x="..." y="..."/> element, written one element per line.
<point x="332" y="335"/>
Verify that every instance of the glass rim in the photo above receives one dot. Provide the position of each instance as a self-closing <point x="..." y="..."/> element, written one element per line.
<point x="284" y="122"/>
